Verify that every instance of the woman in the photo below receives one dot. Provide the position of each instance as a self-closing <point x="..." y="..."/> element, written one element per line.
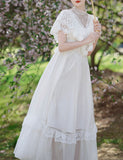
<point x="60" y="122"/>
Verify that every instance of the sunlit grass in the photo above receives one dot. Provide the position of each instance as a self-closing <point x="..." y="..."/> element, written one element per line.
<point x="111" y="141"/>
<point x="113" y="62"/>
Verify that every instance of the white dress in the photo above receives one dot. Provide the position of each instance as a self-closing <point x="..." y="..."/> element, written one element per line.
<point x="60" y="123"/>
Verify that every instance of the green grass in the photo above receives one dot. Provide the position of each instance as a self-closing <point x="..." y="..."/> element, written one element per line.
<point x="28" y="80"/>
<point x="107" y="62"/>
<point x="13" y="110"/>
<point x="111" y="141"/>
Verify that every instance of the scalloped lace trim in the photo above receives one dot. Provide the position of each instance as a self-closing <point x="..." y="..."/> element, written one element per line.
<point x="67" y="137"/>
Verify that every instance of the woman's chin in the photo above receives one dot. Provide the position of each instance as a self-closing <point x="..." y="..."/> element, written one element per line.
<point x="78" y="4"/>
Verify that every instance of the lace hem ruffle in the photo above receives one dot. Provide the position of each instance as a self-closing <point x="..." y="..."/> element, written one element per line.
<point x="68" y="138"/>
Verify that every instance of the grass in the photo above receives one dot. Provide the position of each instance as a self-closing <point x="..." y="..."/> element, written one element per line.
<point x="111" y="141"/>
<point x="113" y="62"/>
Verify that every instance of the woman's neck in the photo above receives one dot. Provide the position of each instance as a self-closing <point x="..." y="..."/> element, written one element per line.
<point x="80" y="8"/>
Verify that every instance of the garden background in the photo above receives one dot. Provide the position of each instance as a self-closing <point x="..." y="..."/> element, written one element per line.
<point x="26" y="47"/>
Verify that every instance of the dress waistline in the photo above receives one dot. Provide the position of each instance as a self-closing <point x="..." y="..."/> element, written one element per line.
<point x="80" y="50"/>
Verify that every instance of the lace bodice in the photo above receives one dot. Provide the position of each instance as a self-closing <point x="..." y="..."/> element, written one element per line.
<point x="69" y="23"/>
<point x="82" y="15"/>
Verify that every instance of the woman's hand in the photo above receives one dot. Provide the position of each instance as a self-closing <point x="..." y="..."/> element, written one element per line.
<point x="97" y="27"/>
<point x="97" y="30"/>
<point x="93" y="36"/>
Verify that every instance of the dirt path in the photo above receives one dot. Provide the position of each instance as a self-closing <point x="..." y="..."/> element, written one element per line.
<point x="109" y="152"/>
<point x="109" y="116"/>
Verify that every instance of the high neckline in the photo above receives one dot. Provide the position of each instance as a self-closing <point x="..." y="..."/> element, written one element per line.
<point x="78" y="11"/>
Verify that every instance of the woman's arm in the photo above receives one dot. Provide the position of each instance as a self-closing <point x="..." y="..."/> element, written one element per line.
<point x="65" y="46"/>
<point x="97" y="28"/>
<point x="94" y="45"/>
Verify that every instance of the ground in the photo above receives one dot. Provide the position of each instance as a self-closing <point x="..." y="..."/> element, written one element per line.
<point x="109" y="116"/>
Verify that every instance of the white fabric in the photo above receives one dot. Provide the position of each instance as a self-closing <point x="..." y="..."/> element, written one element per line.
<point x="60" y="123"/>
<point x="68" y="22"/>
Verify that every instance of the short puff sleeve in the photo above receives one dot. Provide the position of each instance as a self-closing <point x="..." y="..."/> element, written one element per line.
<point x="61" y="23"/>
